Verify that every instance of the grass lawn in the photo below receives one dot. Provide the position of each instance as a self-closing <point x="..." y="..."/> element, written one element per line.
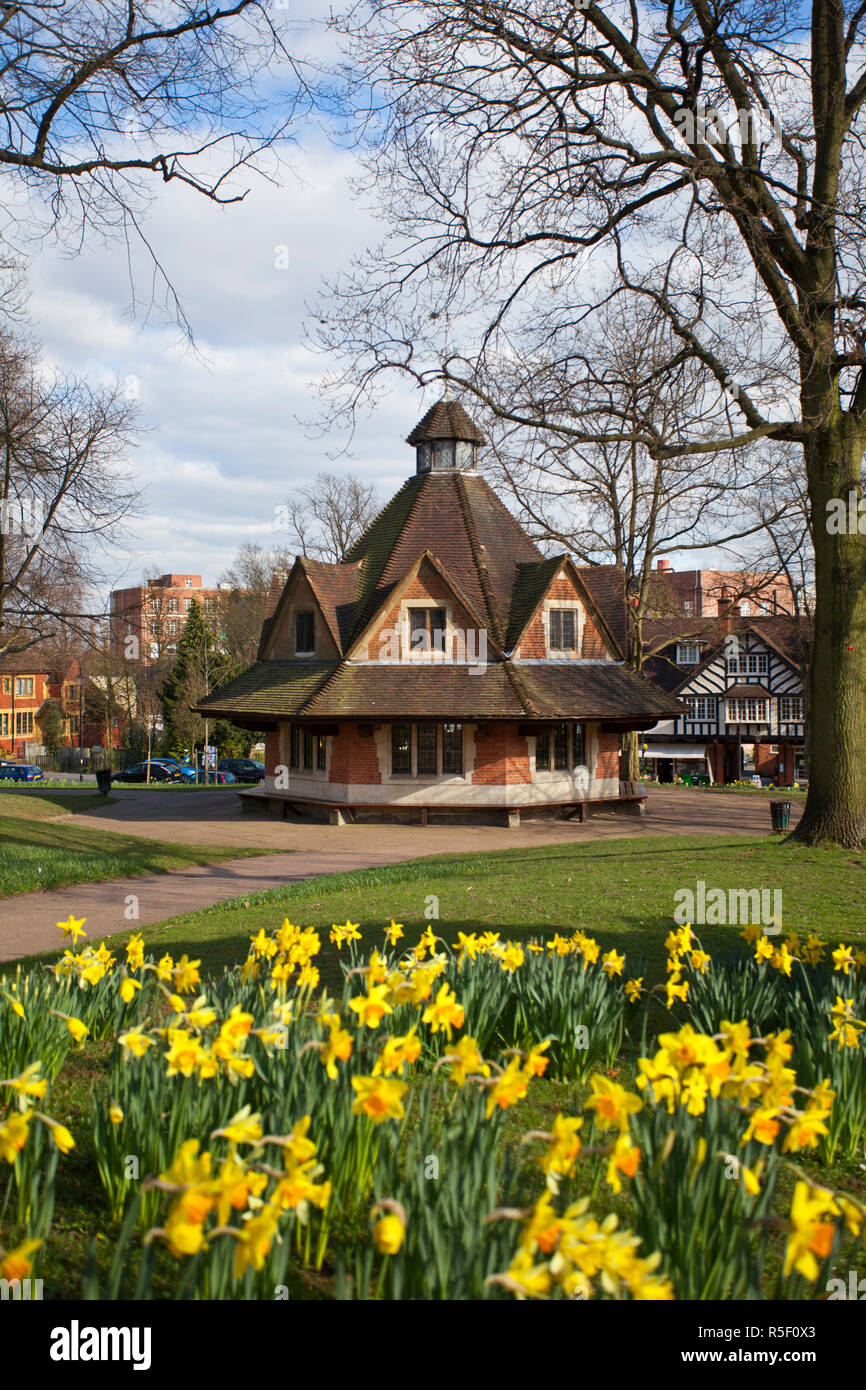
<point x="621" y="891"/>
<point x="42" y="847"/>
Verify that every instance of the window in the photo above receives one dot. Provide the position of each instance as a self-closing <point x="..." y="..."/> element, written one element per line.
<point x="401" y="748"/>
<point x="688" y="653"/>
<point x="745" y="609"/>
<point x="428" y="750"/>
<point x="542" y="752"/>
<point x="321" y="753"/>
<point x="24" y="685"/>
<point x="700" y="707"/>
<point x="73" y="723"/>
<point x="187" y="604"/>
<point x="210" y="605"/>
<point x="188" y="583"/>
<point x="418" y="750"/>
<point x="308" y="751"/>
<point x="305" y="632"/>
<point x="427" y="629"/>
<point x="73" y="692"/>
<point x="748" y="664"/>
<point x="24" y="722"/>
<point x="172" y="628"/>
<point x="4" y="723"/>
<point x="790" y="708"/>
<point x="172" y="605"/>
<point x="563" y="627"/>
<point x="578" y="745"/>
<point x="295" y="747"/>
<point x="561" y="750"/>
<point x="452" y="749"/>
<point x="7" y="685"/>
<point x="747" y="711"/>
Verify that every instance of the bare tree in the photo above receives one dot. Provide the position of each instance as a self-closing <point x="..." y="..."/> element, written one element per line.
<point x="63" y="494"/>
<point x="711" y="153"/>
<point x="325" y="519"/>
<point x="101" y="101"/>
<point x="244" y="604"/>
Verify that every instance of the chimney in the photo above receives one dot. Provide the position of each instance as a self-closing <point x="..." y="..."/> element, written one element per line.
<point x="664" y="566"/>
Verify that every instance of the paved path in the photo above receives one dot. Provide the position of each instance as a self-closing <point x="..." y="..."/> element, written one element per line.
<point x="28" y="922"/>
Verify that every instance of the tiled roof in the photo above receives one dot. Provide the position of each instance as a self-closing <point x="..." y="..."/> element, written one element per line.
<point x="446" y="420"/>
<point x="269" y="687"/>
<point x="336" y="588"/>
<point x="747" y="692"/>
<point x="461" y="521"/>
<point x="606" y="585"/>
<point x="503" y="690"/>
<point x="532" y="582"/>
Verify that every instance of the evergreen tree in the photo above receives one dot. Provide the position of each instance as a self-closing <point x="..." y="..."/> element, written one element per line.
<point x="195" y="669"/>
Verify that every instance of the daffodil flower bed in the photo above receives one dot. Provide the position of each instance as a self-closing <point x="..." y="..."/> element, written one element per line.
<point x="275" y="1129"/>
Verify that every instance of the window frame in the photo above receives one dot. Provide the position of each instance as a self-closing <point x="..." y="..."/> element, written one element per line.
<point x="556" y="625"/>
<point x="575" y="743"/>
<point x="450" y="749"/>
<point x="305" y="614"/>
<point x="688" y="647"/>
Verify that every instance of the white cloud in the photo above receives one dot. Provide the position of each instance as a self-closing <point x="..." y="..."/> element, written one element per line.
<point x="223" y="444"/>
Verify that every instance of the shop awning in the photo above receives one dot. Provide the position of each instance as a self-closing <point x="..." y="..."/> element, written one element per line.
<point x="675" y="750"/>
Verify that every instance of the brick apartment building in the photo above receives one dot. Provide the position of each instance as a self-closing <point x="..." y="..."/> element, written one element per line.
<point x="153" y="614"/>
<point x="710" y="593"/>
<point x="29" y="686"/>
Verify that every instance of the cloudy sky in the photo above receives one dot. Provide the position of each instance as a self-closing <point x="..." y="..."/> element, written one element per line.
<point x="224" y="441"/>
<point x="226" y="435"/>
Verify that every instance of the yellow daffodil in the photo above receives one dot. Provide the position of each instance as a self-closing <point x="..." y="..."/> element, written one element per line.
<point x="394" y="932"/>
<point x="611" y="1103"/>
<point x="73" y="927"/>
<point x="377" y="1097"/>
<point x="612" y="964"/>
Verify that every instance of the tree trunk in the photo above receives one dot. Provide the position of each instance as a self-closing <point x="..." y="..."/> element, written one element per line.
<point x="835" y="809"/>
<point x="631" y="756"/>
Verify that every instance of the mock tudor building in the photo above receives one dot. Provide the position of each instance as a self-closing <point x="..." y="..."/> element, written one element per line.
<point x="742" y="682"/>
<point x="446" y="668"/>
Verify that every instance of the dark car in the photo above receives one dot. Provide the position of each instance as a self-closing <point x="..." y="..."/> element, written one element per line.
<point x="20" y="772"/>
<point x="159" y="772"/>
<point x="243" y="769"/>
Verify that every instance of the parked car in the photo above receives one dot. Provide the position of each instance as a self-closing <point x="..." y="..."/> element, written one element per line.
<point x="20" y="772"/>
<point x="242" y="769"/>
<point x="159" y="772"/>
<point x="223" y="777"/>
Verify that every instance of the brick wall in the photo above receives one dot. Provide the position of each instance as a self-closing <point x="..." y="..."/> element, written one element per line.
<point x="272" y="753"/>
<point x="608" y="755"/>
<point x="532" y="643"/>
<point x="426" y="587"/>
<point x="501" y="756"/>
<point x="353" y="758"/>
<point x="302" y="600"/>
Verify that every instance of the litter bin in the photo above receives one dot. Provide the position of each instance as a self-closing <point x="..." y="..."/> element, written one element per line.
<point x="780" y="812"/>
<point x="103" y="780"/>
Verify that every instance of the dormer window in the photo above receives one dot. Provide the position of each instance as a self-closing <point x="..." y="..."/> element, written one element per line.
<point x="563" y="630"/>
<point x="688" y="653"/>
<point x="305" y="633"/>
<point x="427" y="629"/>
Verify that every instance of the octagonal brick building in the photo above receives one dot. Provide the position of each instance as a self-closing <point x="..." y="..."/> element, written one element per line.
<point x="446" y="670"/>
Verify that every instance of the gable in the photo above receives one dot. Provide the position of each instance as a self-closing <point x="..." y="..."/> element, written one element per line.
<point x="562" y="591"/>
<point x="280" y="641"/>
<point x="387" y="635"/>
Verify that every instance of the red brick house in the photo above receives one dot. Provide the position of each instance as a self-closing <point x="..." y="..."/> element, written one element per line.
<point x="29" y="685"/>
<point x="446" y="669"/>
